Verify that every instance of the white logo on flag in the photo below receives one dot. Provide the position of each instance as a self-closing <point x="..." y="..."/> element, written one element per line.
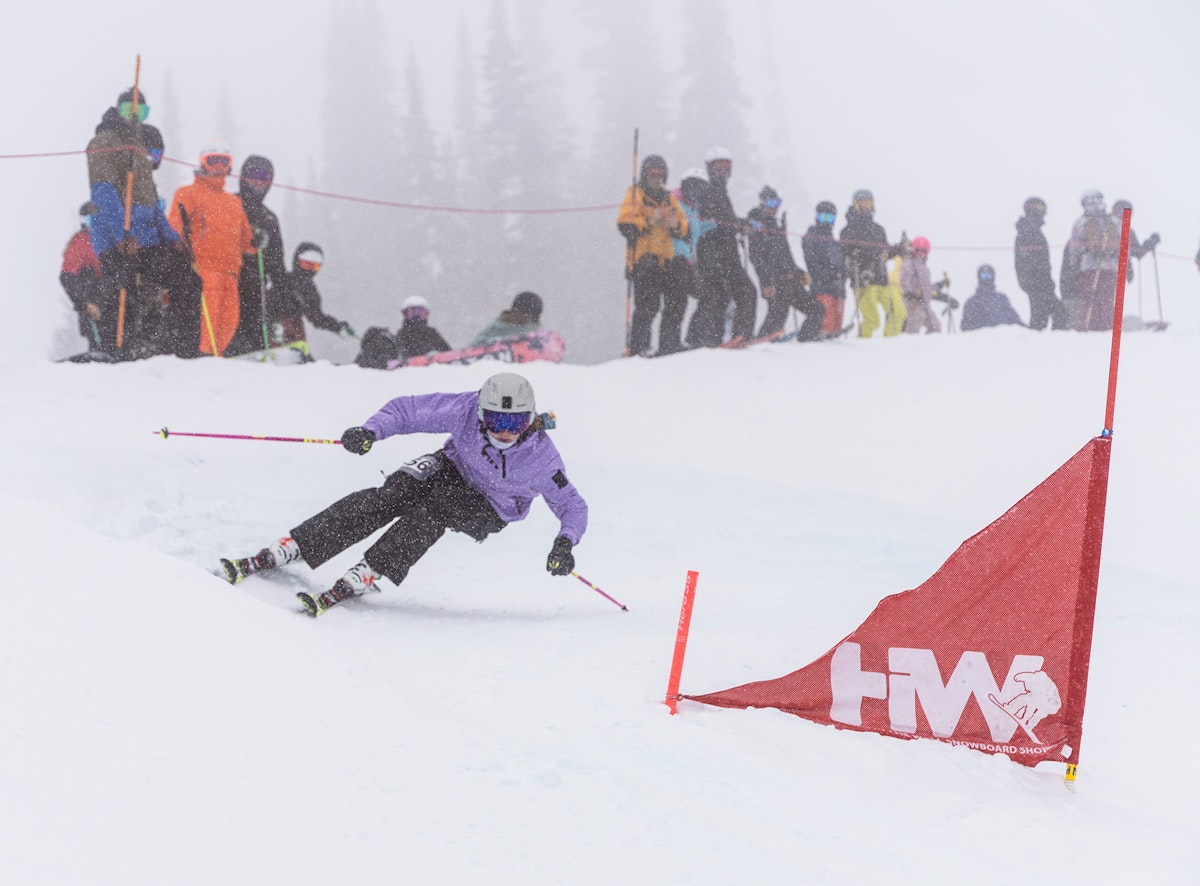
<point x="1027" y="696"/>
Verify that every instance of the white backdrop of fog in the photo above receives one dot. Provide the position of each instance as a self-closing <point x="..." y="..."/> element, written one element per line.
<point x="952" y="113"/>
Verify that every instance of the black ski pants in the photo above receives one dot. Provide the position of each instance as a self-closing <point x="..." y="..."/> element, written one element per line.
<point x="790" y="294"/>
<point x="153" y="267"/>
<point x="657" y="285"/>
<point x="722" y="280"/>
<point x="420" y="511"/>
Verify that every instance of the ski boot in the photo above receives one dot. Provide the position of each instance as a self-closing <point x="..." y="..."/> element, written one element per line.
<point x="359" y="580"/>
<point x="281" y="552"/>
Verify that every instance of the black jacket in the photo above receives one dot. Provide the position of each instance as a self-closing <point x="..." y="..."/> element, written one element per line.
<point x="867" y="250"/>
<point x="297" y="297"/>
<point x="826" y="261"/>
<point x="1032" y="258"/>
<point x="770" y="252"/>
<point x="719" y="245"/>
<point x="273" y="272"/>
<point x="416" y="337"/>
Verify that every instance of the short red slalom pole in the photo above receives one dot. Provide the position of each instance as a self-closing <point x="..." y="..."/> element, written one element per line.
<point x="624" y="608"/>
<point x="681" y="638"/>
<point x="164" y="433"/>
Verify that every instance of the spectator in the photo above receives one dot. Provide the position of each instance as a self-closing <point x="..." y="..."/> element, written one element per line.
<point x="723" y="280"/>
<point x="80" y="278"/>
<point x="1032" y="261"/>
<point x="650" y="219"/>
<point x="826" y="262"/>
<point x="298" y="299"/>
<point x="214" y="225"/>
<point x="146" y="252"/>
<point x="867" y="253"/>
<point x="1090" y="260"/>
<point x="987" y="307"/>
<point x="783" y="282"/>
<point x="918" y="290"/>
<point x="262" y="268"/>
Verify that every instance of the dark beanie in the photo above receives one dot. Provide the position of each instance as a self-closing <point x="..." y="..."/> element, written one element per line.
<point x="528" y="303"/>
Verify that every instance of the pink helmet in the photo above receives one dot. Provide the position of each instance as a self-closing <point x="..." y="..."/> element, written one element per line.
<point x="920" y="245"/>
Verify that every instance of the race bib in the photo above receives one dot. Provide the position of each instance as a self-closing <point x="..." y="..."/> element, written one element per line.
<point x="423" y="466"/>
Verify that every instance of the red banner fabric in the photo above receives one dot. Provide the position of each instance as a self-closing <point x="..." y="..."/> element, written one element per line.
<point x="991" y="652"/>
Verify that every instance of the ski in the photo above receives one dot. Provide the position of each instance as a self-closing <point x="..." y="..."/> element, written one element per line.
<point x="312" y="604"/>
<point x="737" y="342"/>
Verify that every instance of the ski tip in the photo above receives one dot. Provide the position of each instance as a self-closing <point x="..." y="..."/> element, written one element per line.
<point x="310" y="603"/>
<point x="230" y="572"/>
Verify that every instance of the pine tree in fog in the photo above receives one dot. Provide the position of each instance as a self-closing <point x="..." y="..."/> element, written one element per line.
<point x="361" y="140"/>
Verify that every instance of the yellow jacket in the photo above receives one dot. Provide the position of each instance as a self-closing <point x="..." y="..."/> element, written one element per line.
<point x="654" y="221"/>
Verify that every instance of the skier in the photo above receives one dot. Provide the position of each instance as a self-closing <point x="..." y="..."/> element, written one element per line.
<point x="722" y="278"/>
<point x="826" y="261"/>
<point x="1091" y="257"/>
<point x="987" y="307"/>
<point x="783" y="282"/>
<point x="1032" y="261"/>
<point x="524" y="316"/>
<point x="150" y="253"/>
<point x="867" y="253"/>
<point x="497" y="460"/>
<point x="214" y="225"/>
<point x="262" y="268"/>
<point x="918" y="290"/>
<point x="298" y="299"/>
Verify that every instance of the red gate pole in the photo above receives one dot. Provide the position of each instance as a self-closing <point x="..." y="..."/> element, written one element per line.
<point x="681" y="638"/>
<point x="1118" y="316"/>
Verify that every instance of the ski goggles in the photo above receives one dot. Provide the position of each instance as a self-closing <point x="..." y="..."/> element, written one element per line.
<point x="826" y="218"/>
<point x="308" y="265"/>
<point x="258" y="181"/>
<point x="987" y="276"/>
<point x="125" y="109"/>
<point x="506" y="422"/>
<point x="772" y="203"/>
<point x="221" y="163"/>
<point x="416" y="313"/>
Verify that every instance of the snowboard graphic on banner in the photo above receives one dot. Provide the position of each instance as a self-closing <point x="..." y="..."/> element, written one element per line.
<point x="991" y="652"/>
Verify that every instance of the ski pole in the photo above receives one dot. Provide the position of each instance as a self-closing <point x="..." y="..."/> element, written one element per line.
<point x="1139" y="276"/>
<point x="262" y="294"/>
<point x="624" y="608"/>
<point x="1157" y="290"/>
<point x="630" y="252"/>
<point x="164" y="433"/>
<point x="137" y="129"/>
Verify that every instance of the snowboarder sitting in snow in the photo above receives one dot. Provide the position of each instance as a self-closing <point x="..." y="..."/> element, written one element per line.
<point x="525" y="315"/>
<point x="414" y="339"/>
<point x="987" y="307"/>
<point x="497" y="460"/>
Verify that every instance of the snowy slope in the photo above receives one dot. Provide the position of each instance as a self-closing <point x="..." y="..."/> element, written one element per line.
<point x="487" y="723"/>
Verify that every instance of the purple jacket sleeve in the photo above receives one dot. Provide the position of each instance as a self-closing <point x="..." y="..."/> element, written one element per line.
<point x="423" y="413"/>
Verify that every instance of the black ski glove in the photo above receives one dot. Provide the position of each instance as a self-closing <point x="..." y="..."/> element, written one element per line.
<point x="358" y="440"/>
<point x="561" y="561"/>
<point x="260" y="239"/>
<point x="1152" y="241"/>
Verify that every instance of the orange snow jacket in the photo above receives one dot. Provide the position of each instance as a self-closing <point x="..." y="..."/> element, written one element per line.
<point x="213" y="222"/>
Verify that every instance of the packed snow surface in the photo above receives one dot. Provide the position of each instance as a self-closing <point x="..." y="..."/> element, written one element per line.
<point x="488" y="723"/>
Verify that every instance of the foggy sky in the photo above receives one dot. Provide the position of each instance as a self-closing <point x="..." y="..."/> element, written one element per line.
<point x="951" y="113"/>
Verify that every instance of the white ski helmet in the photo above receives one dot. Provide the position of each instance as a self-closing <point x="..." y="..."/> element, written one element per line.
<point x="414" y="301"/>
<point x="718" y="153"/>
<point x="506" y="405"/>
<point x="506" y="392"/>
<point x="695" y="172"/>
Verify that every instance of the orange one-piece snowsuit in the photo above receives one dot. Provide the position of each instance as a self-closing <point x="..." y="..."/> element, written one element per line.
<point x="214" y="224"/>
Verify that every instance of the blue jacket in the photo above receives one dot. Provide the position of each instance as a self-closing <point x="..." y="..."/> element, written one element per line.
<point x="509" y="479"/>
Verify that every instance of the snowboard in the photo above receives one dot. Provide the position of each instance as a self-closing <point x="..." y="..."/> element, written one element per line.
<point x="291" y="354"/>
<point x="525" y="348"/>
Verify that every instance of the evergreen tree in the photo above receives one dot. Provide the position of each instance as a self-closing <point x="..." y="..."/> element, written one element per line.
<point x="362" y="136"/>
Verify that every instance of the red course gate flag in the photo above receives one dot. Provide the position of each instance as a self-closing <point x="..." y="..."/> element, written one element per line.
<point x="991" y="652"/>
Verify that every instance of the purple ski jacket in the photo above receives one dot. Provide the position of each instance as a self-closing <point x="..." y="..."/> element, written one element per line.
<point x="509" y="479"/>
